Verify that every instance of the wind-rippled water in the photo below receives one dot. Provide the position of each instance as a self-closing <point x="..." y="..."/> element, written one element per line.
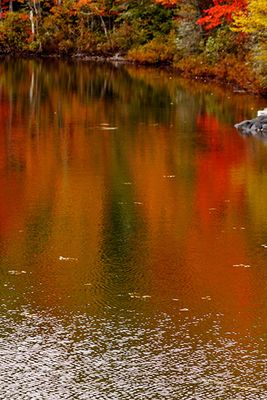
<point x="128" y="357"/>
<point x="133" y="236"/>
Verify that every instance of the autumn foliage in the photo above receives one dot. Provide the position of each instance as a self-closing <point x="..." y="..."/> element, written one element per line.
<point x="221" y="11"/>
<point x="198" y="36"/>
<point x="167" y="3"/>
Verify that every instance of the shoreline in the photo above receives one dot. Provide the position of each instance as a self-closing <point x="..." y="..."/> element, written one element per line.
<point x="204" y="76"/>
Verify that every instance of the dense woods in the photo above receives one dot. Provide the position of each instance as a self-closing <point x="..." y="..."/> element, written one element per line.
<point x="223" y="39"/>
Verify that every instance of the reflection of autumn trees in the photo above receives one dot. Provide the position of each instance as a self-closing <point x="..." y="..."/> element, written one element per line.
<point x="95" y="95"/>
<point x="155" y="198"/>
<point x="217" y="195"/>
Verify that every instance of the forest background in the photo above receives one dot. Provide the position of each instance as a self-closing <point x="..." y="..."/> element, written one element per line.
<point x="210" y="39"/>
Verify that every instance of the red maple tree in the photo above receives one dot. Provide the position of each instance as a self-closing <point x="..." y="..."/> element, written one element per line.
<point x="222" y="10"/>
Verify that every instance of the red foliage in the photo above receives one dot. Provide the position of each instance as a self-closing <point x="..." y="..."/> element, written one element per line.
<point x="4" y="7"/>
<point x="222" y="10"/>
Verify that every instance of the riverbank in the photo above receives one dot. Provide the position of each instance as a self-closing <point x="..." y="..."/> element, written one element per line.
<point x="150" y="32"/>
<point x="230" y="71"/>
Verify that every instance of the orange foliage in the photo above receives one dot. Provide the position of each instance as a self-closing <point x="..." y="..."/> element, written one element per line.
<point x="98" y="7"/>
<point x="167" y="3"/>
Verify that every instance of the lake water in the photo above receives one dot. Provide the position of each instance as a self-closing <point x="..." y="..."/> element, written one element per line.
<point x="133" y="236"/>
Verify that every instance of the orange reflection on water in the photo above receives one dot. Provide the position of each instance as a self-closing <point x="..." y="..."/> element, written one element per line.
<point x="152" y="186"/>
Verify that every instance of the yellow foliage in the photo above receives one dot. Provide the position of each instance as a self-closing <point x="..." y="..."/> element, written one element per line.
<point x="254" y="19"/>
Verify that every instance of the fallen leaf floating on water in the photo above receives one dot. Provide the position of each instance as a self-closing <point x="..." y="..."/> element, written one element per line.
<point x="61" y="258"/>
<point x="14" y="272"/>
<point x="242" y="265"/>
<point x="135" y="295"/>
<point x="108" y="128"/>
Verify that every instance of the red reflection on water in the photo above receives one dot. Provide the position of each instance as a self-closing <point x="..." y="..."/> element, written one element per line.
<point x="219" y="255"/>
<point x="198" y="246"/>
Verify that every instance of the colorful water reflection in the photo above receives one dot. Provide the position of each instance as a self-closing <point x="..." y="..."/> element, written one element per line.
<point x="127" y="195"/>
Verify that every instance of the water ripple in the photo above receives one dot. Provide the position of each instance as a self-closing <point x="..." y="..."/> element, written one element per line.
<point x="124" y="357"/>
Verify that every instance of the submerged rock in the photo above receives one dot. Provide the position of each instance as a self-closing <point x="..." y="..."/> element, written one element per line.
<point x="255" y="126"/>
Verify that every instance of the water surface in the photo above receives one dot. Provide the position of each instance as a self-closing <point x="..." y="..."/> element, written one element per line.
<point x="133" y="236"/>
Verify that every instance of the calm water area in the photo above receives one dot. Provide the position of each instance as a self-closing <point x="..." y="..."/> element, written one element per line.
<point x="133" y="236"/>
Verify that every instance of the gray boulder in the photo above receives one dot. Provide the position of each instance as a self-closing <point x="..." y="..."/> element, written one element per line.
<point x="254" y="126"/>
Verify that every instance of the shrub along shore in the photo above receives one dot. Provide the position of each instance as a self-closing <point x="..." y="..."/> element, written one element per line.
<point x="224" y="40"/>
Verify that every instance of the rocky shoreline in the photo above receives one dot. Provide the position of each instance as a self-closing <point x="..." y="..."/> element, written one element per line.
<point x="255" y="126"/>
